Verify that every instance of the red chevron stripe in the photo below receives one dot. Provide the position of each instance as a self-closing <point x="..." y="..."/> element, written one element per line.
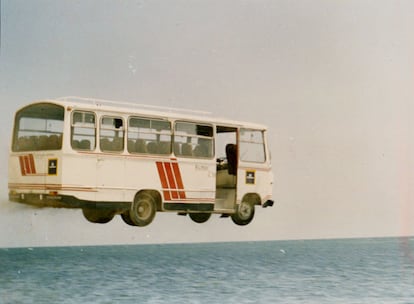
<point x="171" y="180"/>
<point x="163" y="179"/>
<point x="22" y="167"/>
<point x="32" y="164"/>
<point x="26" y="164"/>
<point x="179" y="180"/>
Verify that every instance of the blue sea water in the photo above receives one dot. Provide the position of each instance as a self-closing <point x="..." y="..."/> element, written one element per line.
<point x="316" y="271"/>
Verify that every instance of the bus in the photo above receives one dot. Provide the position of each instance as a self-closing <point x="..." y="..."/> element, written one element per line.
<point x="119" y="158"/>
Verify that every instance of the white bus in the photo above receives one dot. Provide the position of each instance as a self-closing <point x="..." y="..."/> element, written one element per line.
<point x="110" y="158"/>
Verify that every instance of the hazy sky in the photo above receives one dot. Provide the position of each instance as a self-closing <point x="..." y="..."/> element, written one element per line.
<point x="334" y="81"/>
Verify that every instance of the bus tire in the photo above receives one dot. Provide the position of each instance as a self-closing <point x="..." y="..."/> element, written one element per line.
<point x="200" y="217"/>
<point x="127" y="219"/>
<point x="98" y="216"/>
<point x="244" y="214"/>
<point x="143" y="209"/>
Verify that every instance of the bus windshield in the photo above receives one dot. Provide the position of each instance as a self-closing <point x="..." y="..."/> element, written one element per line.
<point x="38" y="127"/>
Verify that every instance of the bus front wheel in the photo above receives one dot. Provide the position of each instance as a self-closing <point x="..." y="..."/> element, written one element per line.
<point x="244" y="213"/>
<point x="142" y="210"/>
<point x="200" y="217"/>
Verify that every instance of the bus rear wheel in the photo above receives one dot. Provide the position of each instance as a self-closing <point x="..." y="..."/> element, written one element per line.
<point x="200" y="217"/>
<point x="143" y="210"/>
<point x="98" y="216"/>
<point x="244" y="213"/>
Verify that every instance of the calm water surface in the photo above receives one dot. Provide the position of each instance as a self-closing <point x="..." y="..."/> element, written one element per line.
<point x="328" y="271"/>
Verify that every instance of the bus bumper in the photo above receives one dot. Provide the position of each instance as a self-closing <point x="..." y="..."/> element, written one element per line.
<point x="268" y="203"/>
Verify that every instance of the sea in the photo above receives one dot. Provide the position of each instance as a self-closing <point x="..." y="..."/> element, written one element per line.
<point x="377" y="270"/>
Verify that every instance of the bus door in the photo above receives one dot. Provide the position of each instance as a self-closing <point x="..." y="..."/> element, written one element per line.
<point x="227" y="163"/>
<point x="254" y="174"/>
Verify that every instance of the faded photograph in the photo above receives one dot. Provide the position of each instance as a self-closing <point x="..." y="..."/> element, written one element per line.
<point x="181" y="151"/>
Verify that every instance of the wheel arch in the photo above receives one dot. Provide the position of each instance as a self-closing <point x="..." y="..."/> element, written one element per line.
<point x="252" y="198"/>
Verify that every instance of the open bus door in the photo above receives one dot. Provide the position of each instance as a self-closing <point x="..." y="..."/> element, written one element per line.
<point x="226" y="175"/>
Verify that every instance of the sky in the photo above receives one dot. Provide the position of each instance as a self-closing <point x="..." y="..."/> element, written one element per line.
<point x="333" y="81"/>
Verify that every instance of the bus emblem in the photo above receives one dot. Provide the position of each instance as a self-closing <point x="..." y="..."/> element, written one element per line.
<point x="250" y="177"/>
<point x="52" y="166"/>
<point x="27" y="164"/>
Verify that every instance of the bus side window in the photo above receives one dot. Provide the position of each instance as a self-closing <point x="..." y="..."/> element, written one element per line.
<point x="83" y="131"/>
<point x="252" y="146"/>
<point x="112" y="134"/>
<point x="193" y="140"/>
<point x="149" y="136"/>
<point x="203" y="148"/>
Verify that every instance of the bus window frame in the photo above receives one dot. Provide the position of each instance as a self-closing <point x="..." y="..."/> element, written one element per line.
<point x="85" y="126"/>
<point x="115" y="130"/>
<point x="149" y="131"/>
<point x="189" y="142"/>
<point x="36" y="138"/>
<point x="244" y="142"/>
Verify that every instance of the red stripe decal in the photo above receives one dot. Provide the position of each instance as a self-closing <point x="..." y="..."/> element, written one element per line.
<point x="27" y="165"/>
<point x="163" y="179"/>
<point x="22" y="167"/>
<point x="179" y="180"/>
<point x="171" y="180"/>
<point x="32" y="164"/>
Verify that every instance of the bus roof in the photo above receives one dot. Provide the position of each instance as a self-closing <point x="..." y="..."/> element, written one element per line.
<point x="150" y="110"/>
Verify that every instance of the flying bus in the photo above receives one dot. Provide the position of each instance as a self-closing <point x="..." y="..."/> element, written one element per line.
<point x="119" y="158"/>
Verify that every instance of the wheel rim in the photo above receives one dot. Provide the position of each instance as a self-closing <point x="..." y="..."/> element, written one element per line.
<point x="245" y="210"/>
<point x="144" y="210"/>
